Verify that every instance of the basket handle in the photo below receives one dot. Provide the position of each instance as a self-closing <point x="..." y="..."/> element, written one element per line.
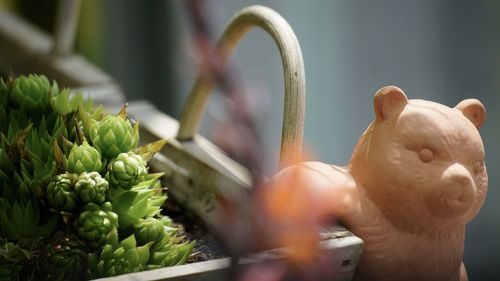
<point x="294" y="75"/>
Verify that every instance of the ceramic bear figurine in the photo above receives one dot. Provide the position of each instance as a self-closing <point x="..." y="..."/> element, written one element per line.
<point x="416" y="178"/>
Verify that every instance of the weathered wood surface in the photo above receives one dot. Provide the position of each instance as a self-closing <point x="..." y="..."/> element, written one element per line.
<point x="26" y="49"/>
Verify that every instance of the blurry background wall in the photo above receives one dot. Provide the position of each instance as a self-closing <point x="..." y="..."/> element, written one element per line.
<point x="443" y="51"/>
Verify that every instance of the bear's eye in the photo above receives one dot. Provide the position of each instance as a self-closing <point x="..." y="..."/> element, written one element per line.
<point x="426" y="155"/>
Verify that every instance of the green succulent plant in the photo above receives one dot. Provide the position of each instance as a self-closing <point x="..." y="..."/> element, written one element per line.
<point x="126" y="170"/>
<point x="96" y="222"/>
<point x="61" y="193"/>
<point x="91" y="187"/>
<point x="20" y="262"/>
<point x="149" y="230"/>
<point x="65" y="258"/>
<point x="121" y="258"/>
<point x="30" y="92"/>
<point x="141" y="201"/>
<point x="66" y="165"/>
<point x="4" y="103"/>
<point x="64" y="104"/>
<point x="114" y="135"/>
<point x="10" y="263"/>
<point x="169" y="251"/>
<point x="21" y="220"/>
<point x="84" y="158"/>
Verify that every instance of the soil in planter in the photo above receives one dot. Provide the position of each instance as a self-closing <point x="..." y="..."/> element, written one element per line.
<point x="206" y="247"/>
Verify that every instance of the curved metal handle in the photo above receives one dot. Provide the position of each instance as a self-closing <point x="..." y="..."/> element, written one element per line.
<point x="294" y="74"/>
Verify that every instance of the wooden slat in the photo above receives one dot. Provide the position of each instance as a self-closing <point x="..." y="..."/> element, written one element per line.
<point x="108" y="95"/>
<point x="26" y="49"/>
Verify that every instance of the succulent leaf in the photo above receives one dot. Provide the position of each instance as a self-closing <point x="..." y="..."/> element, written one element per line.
<point x="59" y="157"/>
<point x="20" y="220"/>
<point x="5" y="163"/>
<point x="63" y="104"/>
<point x="149" y="150"/>
<point x="131" y="206"/>
<point x="168" y="252"/>
<point x="4" y="100"/>
<point x="4" y="93"/>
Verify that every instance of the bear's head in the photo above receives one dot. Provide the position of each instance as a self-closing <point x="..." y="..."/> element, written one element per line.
<point x="422" y="163"/>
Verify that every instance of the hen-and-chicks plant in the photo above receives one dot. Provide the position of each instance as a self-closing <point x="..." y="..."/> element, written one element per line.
<point x="76" y="198"/>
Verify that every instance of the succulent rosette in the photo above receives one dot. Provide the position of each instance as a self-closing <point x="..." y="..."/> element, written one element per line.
<point x="30" y="92"/>
<point x="91" y="187"/>
<point x="126" y="170"/>
<point x="123" y="258"/>
<point x="114" y="135"/>
<point x="169" y="251"/>
<point x="21" y="220"/>
<point x="149" y="230"/>
<point x="65" y="258"/>
<point x="61" y="193"/>
<point x="84" y="158"/>
<point x="96" y="222"/>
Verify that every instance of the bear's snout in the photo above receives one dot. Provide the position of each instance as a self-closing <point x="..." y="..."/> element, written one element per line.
<point x="458" y="188"/>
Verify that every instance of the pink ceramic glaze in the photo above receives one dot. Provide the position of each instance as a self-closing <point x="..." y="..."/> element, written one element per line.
<point x="416" y="178"/>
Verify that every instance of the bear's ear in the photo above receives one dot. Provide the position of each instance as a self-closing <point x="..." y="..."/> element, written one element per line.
<point x="473" y="110"/>
<point x="388" y="101"/>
